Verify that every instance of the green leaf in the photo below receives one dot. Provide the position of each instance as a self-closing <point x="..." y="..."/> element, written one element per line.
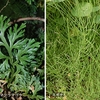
<point x="82" y="9"/>
<point x="39" y="97"/>
<point x="54" y="1"/>
<point x="29" y="1"/>
<point x="2" y="76"/>
<point x="51" y="2"/>
<point x="3" y="24"/>
<point x="1" y="90"/>
<point x="1" y="44"/>
<point x="15" y="33"/>
<point x="4" y="66"/>
<point x="4" y="69"/>
<point x="96" y="8"/>
<point x="2" y="56"/>
<point x="97" y="19"/>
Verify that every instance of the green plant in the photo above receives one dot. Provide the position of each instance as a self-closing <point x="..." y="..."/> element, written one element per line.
<point x="84" y="9"/>
<point x="17" y="60"/>
<point x="29" y="1"/>
<point x="73" y="64"/>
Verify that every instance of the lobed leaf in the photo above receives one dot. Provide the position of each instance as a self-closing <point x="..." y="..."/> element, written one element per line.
<point x="15" y="34"/>
<point x="82" y="9"/>
<point x="2" y="56"/>
<point x="4" y="24"/>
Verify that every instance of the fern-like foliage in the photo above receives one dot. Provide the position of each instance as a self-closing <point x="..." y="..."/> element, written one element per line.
<point x="29" y="1"/>
<point x="16" y="55"/>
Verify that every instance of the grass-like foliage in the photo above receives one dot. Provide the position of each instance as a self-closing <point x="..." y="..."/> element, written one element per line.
<point x="17" y="61"/>
<point x="73" y="50"/>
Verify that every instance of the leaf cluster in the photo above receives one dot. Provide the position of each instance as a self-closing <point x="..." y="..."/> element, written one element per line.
<point x="17" y="59"/>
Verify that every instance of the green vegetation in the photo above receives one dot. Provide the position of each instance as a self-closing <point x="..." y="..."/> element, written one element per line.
<point x="21" y="50"/>
<point x="73" y="49"/>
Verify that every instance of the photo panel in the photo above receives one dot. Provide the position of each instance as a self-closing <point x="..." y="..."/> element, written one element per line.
<point x="22" y="56"/>
<point x="72" y="49"/>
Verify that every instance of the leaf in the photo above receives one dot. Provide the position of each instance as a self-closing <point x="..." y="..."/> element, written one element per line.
<point x="18" y="44"/>
<point x="19" y="69"/>
<point x="82" y="9"/>
<point x="5" y="74"/>
<point x="2" y="76"/>
<point x="26" y="52"/>
<point x="51" y="2"/>
<point x="15" y="34"/>
<point x="4" y="66"/>
<point x="97" y="19"/>
<point x="2" y="56"/>
<point x="4" y="69"/>
<point x="29" y="1"/>
<point x="1" y="90"/>
<point x="3" y="24"/>
<point x="96" y="8"/>
<point x="39" y="97"/>
<point x="33" y="78"/>
<point x="1" y="44"/>
<point x="37" y="85"/>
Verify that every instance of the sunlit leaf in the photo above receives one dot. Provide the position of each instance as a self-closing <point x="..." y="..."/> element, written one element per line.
<point x="96" y="8"/>
<point x="82" y="9"/>
<point x="97" y="19"/>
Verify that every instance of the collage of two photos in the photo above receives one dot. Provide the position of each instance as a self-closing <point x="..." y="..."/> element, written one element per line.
<point x="49" y="49"/>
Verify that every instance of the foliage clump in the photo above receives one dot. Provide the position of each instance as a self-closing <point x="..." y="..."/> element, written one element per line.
<point x="17" y="60"/>
<point x="74" y="43"/>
